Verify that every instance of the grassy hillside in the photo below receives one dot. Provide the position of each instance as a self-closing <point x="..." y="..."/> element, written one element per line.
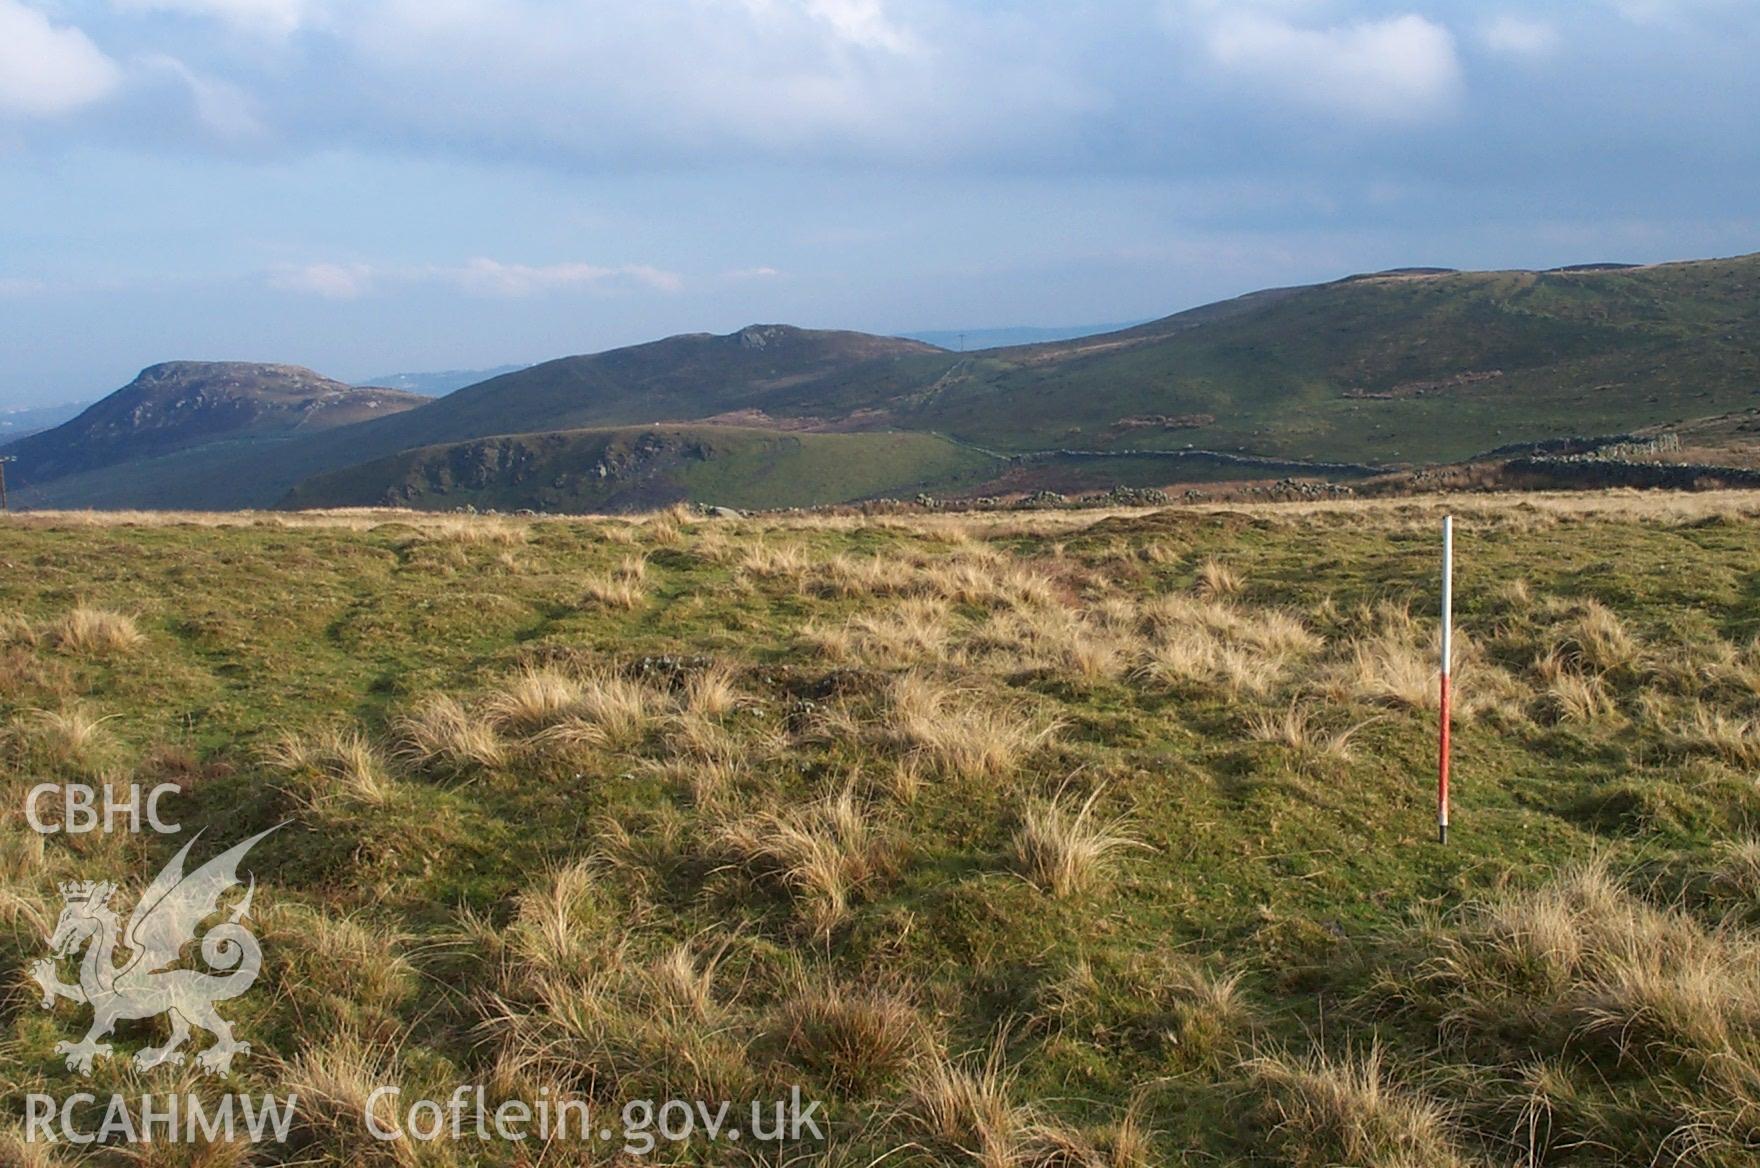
<point x="1399" y="368"/>
<point x="1047" y="840"/>
<point x="576" y="471"/>
<point x="1411" y="367"/>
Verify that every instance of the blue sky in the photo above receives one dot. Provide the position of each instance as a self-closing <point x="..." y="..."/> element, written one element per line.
<point x="366" y="186"/>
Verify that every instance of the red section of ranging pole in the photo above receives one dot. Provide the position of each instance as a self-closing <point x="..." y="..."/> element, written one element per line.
<point x="1442" y="704"/>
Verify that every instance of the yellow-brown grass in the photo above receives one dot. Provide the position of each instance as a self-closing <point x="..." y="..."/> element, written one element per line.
<point x="1324" y="1112"/>
<point x="1300" y="728"/>
<point x="1065" y="848"/>
<point x="956" y="733"/>
<point x="96" y="632"/>
<point x="439" y="731"/>
<point x="826" y="853"/>
<point x="859" y="1037"/>
<point x="532" y="699"/>
<point x="611" y="591"/>
<point x="334" y="762"/>
<point x="1217" y="580"/>
<point x="335" y="1081"/>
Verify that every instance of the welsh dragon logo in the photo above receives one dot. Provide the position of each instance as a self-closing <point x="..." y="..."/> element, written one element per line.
<point x="145" y="984"/>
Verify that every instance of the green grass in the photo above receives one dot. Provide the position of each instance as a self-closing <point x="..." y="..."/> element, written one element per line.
<point x="1274" y="965"/>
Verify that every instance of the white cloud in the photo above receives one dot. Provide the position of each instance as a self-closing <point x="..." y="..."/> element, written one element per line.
<point x="1519" y="36"/>
<point x="1654" y="11"/>
<point x="331" y="281"/>
<point x="224" y="110"/>
<point x="478" y="277"/>
<point x="47" y="69"/>
<point x="862" y="22"/>
<point x="1400" y="69"/>
<point x="270" y="17"/>
<point x="493" y="278"/>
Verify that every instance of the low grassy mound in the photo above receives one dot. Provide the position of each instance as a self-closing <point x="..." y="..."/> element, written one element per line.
<point x="1017" y="839"/>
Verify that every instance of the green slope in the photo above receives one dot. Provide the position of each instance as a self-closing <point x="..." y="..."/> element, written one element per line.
<point x="1472" y="361"/>
<point x="633" y="468"/>
<point x="1400" y="367"/>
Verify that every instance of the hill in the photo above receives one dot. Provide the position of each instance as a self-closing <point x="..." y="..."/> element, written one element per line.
<point x="1424" y="367"/>
<point x="183" y="404"/>
<point x="645" y="468"/>
<point x="1412" y="367"/>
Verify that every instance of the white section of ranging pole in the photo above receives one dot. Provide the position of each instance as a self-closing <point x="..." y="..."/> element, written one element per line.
<point x="1447" y="591"/>
<point x="1443" y="692"/>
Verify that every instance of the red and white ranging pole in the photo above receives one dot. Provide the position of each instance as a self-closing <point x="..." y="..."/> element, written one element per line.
<point x="1442" y="712"/>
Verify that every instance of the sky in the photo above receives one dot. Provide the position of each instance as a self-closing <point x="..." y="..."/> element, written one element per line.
<point x="372" y="186"/>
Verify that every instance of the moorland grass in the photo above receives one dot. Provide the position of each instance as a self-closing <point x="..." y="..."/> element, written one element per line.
<point x="768" y="825"/>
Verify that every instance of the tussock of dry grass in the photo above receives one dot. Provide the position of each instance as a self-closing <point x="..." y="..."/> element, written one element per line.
<point x="16" y="1152"/>
<point x="352" y="969"/>
<point x="860" y="1038"/>
<point x="611" y="591"/>
<point x="1390" y="669"/>
<point x="73" y="737"/>
<point x="826" y="853"/>
<point x="1597" y="640"/>
<point x="1583" y="961"/>
<point x="1569" y="692"/>
<point x="712" y="692"/>
<point x="764" y="561"/>
<point x="619" y="1029"/>
<point x="18" y="633"/>
<point x="1710" y="731"/>
<point x="966" y="1110"/>
<point x="956" y="733"/>
<point x="1326" y="1112"/>
<point x="532" y="699"/>
<point x="682" y="981"/>
<point x="471" y="529"/>
<point x="334" y="1080"/>
<point x="1737" y="872"/>
<point x="1300" y="728"/>
<point x="1244" y="652"/>
<point x="553" y="929"/>
<point x="1217" y="580"/>
<point x="621" y="708"/>
<point x="1604" y="986"/>
<point x="911" y="632"/>
<point x="96" y="632"/>
<point x="334" y="762"/>
<point x="440" y="732"/>
<point x="1064" y="848"/>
